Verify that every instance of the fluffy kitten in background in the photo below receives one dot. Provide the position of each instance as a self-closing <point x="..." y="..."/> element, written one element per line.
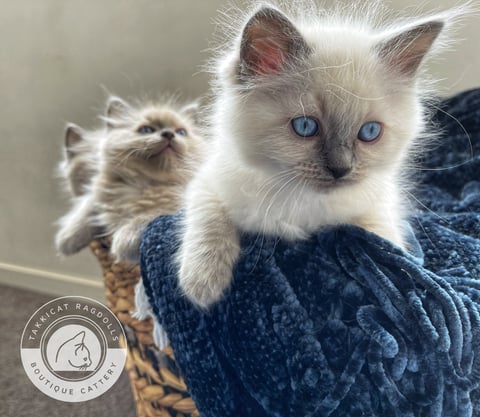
<point x="315" y="120"/>
<point x="146" y="155"/>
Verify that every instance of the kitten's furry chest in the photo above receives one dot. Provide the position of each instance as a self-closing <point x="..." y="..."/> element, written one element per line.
<point x="161" y="197"/>
<point x="296" y="212"/>
<point x="122" y="201"/>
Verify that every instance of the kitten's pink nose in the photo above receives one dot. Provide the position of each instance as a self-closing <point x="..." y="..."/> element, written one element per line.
<point x="168" y="134"/>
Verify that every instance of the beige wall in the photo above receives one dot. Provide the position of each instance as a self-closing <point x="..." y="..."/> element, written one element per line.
<point x="55" y="56"/>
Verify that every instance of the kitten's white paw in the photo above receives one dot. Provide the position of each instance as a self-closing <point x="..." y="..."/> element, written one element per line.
<point x="204" y="283"/>
<point x="69" y="241"/>
<point x="204" y="286"/>
<point x="209" y="248"/>
<point x="126" y="244"/>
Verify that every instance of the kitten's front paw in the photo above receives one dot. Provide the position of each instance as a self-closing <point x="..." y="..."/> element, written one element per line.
<point x="126" y="244"/>
<point x="204" y="283"/>
<point x="210" y="247"/>
<point x="69" y="241"/>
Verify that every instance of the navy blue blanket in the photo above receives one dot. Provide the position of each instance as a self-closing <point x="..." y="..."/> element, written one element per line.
<point x="344" y="324"/>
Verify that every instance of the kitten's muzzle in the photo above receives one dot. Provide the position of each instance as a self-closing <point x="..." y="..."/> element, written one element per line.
<point x="339" y="171"/>
<point x="338" y="157"/>
<point x="168" y="134"/>
<point x="167" y="142"/>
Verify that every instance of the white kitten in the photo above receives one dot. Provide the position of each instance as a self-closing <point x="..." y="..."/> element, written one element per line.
<point x="314" y="121"/>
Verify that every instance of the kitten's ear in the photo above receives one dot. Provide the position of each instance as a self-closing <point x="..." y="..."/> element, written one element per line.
<point x="270" y="42"/>
<point x="73" y="136"/>
<point x="404" y="51"/>
<point x="116" y="109"/>
<point x="191" y="110"/>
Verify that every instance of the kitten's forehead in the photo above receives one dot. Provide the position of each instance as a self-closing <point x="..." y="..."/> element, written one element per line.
<point x="345" y="77"/>
<point x="162" y="116"/>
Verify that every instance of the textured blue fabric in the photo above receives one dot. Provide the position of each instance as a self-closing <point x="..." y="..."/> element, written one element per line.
<point x="344" y="324"/>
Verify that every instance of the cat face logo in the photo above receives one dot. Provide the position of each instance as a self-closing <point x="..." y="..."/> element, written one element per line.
<point x="75" y="353"/>
<point x="73" y="349"/>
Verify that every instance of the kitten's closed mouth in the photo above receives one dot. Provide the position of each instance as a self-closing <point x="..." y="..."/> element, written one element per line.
<point x="168" y="149"/>
<point x="331" y="185"/>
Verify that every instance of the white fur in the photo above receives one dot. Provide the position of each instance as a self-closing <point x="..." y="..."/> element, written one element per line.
<point x="133" y="183"/>
<point x="250" y="182"/>
<point x="143" y="311"/>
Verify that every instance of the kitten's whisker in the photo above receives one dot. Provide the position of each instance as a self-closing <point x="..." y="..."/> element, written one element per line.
<point x="277" y="179"/>
<point x="445" y="168"/>
<point x="295" y="203"/>
<point x="285" y="180"/>
<point x="286" y="184"/>
<point x="426" y="207"/>
<point x="257" y="259"/>
<point x="293" y="209"/>
<point x="412" y="207"/>
<point x="274" y="178"/>
<point x="355" y="95"/>
<point x="461" y="126"/>
<point x="277" y="240"/>
<point x="262" y="234"/>
<point x="302" y="106"/>
<point x="335" y="95"/>
<point x="326" y="67"/>
<point x="271" y="189"/>
<point x="128" y="154"/>
<point x="460" y="79"/>
<point x="123" y="160"/>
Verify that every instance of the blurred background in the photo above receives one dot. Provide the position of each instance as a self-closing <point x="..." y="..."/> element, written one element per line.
<point x="58" y="59"/>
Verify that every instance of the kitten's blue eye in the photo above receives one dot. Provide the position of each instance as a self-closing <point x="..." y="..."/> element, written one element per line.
<point x="181" y="132"/>
<point x="305" y="126"/>
<point x="370" y="131"/>
<point x="146" y="130"/>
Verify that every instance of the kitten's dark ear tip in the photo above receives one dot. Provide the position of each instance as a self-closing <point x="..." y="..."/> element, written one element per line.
<point x="439" y="24"/>
<point x="266" y="11"/>
<point x="116" y="106"/>
<point x="405" y="51"/>
<point x="266" y="20"/>
<point x="191" y="110"/>
<point x="433" y="27"/>
<point x="73" y="135"/>
<point x="72" y="127"/>
<point x="269" y="42"/>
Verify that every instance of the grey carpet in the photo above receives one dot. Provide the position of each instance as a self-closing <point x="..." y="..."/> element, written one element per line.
<point x="18" y="396"/>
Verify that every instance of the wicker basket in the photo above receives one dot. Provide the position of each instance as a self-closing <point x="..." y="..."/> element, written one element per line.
<point x="158" y="389"/>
